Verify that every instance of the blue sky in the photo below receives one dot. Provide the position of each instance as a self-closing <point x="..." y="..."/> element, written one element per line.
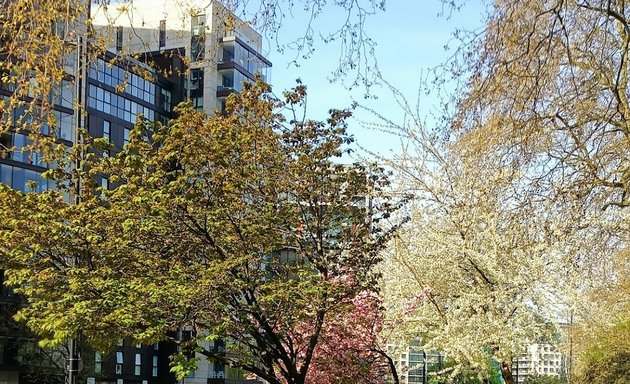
<point x="410" y="37"/>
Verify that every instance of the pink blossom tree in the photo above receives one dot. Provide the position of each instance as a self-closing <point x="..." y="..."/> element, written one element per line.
<point x="350" y="349"/>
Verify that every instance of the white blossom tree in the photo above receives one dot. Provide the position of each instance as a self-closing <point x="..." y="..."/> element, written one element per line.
<point x="522" y="194"/>
<point x="482" y="268"/>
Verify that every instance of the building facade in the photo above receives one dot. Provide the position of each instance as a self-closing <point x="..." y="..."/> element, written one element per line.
<point x="219" y="50"/>
<point x="116" y="93"/>
<point x="156" y="59"/>
<point x="540" y="360"/>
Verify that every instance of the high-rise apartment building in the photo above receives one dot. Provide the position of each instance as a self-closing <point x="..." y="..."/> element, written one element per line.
<point x="219" y="50"/>
<point x="161" y="53"/>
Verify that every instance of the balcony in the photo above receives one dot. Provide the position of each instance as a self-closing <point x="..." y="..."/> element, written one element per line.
<point x="223" y="91"/>
<point x="236" y="55"/>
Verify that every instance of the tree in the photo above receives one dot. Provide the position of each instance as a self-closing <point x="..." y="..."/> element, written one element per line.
<point x="546" y="90"/>
<point x="351" y="350"/>
<point x="602" y="348"/>
<point x="546" y="85"/>
<point x="473" y="274"/>
<point x="526" y="188"/>
<point x="477" y="272"/>
<point x="40" y="41"/>
<point x="239" y="227"/>
<point x="606" y="356"/>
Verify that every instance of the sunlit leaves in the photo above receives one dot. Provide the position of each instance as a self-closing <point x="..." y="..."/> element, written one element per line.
<point x="238" y="226"/>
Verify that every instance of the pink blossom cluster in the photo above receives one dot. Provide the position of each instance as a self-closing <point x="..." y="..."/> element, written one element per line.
<point x="348" y="351"/>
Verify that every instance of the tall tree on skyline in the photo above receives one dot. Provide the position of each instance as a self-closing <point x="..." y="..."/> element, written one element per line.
<point x="527" y="182"/>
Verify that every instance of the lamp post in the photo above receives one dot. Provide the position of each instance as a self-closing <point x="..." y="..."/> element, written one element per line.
<point x="425" y="365"/>
<point x="80" y="72"/>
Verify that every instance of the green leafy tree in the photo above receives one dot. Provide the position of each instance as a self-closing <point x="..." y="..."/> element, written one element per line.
<point x="602" y="340"/>
<point x="239" y="227"/>
<point x="606" y="356"/>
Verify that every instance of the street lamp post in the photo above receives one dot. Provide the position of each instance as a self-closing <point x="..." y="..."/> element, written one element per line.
<point x="424" y="369"/>
<point x="81" y="49"/>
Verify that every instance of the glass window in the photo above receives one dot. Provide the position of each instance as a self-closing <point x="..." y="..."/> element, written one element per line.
<point x="228" y="81"/>
<point x="196" y="79"/>
<point x="67" y="94"/>
<point x="65" y="128"/>
<point x="20" y="141"/>
<point x="18" y="179"/>
<point x="166" y="99"/>
<point x="98" y="362"/>
<point x="162" y="35"/>
<point x="107" y="130"/>
<point x="138" y="365"/>
<point x="119" y="38"/>
<point x="31" y="181"/>
<point x="93" y="72"/>
<point x="119" y="363"/>
<point x="154" y="370"/>
<point x="6" y="142"/>
<point x="100" y="70"/>
<point x="197" y="48"/>
<point x="6" y="174"/>
<point x="198" y="25"/>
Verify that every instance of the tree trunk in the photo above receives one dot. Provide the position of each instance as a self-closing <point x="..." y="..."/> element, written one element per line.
<point x="506" y="372"/>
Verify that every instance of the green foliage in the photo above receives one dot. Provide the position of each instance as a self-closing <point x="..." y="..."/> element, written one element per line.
<point x="606" y="355"/>
<point x="182" y="365"/>
<point x="239" y="227"/>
